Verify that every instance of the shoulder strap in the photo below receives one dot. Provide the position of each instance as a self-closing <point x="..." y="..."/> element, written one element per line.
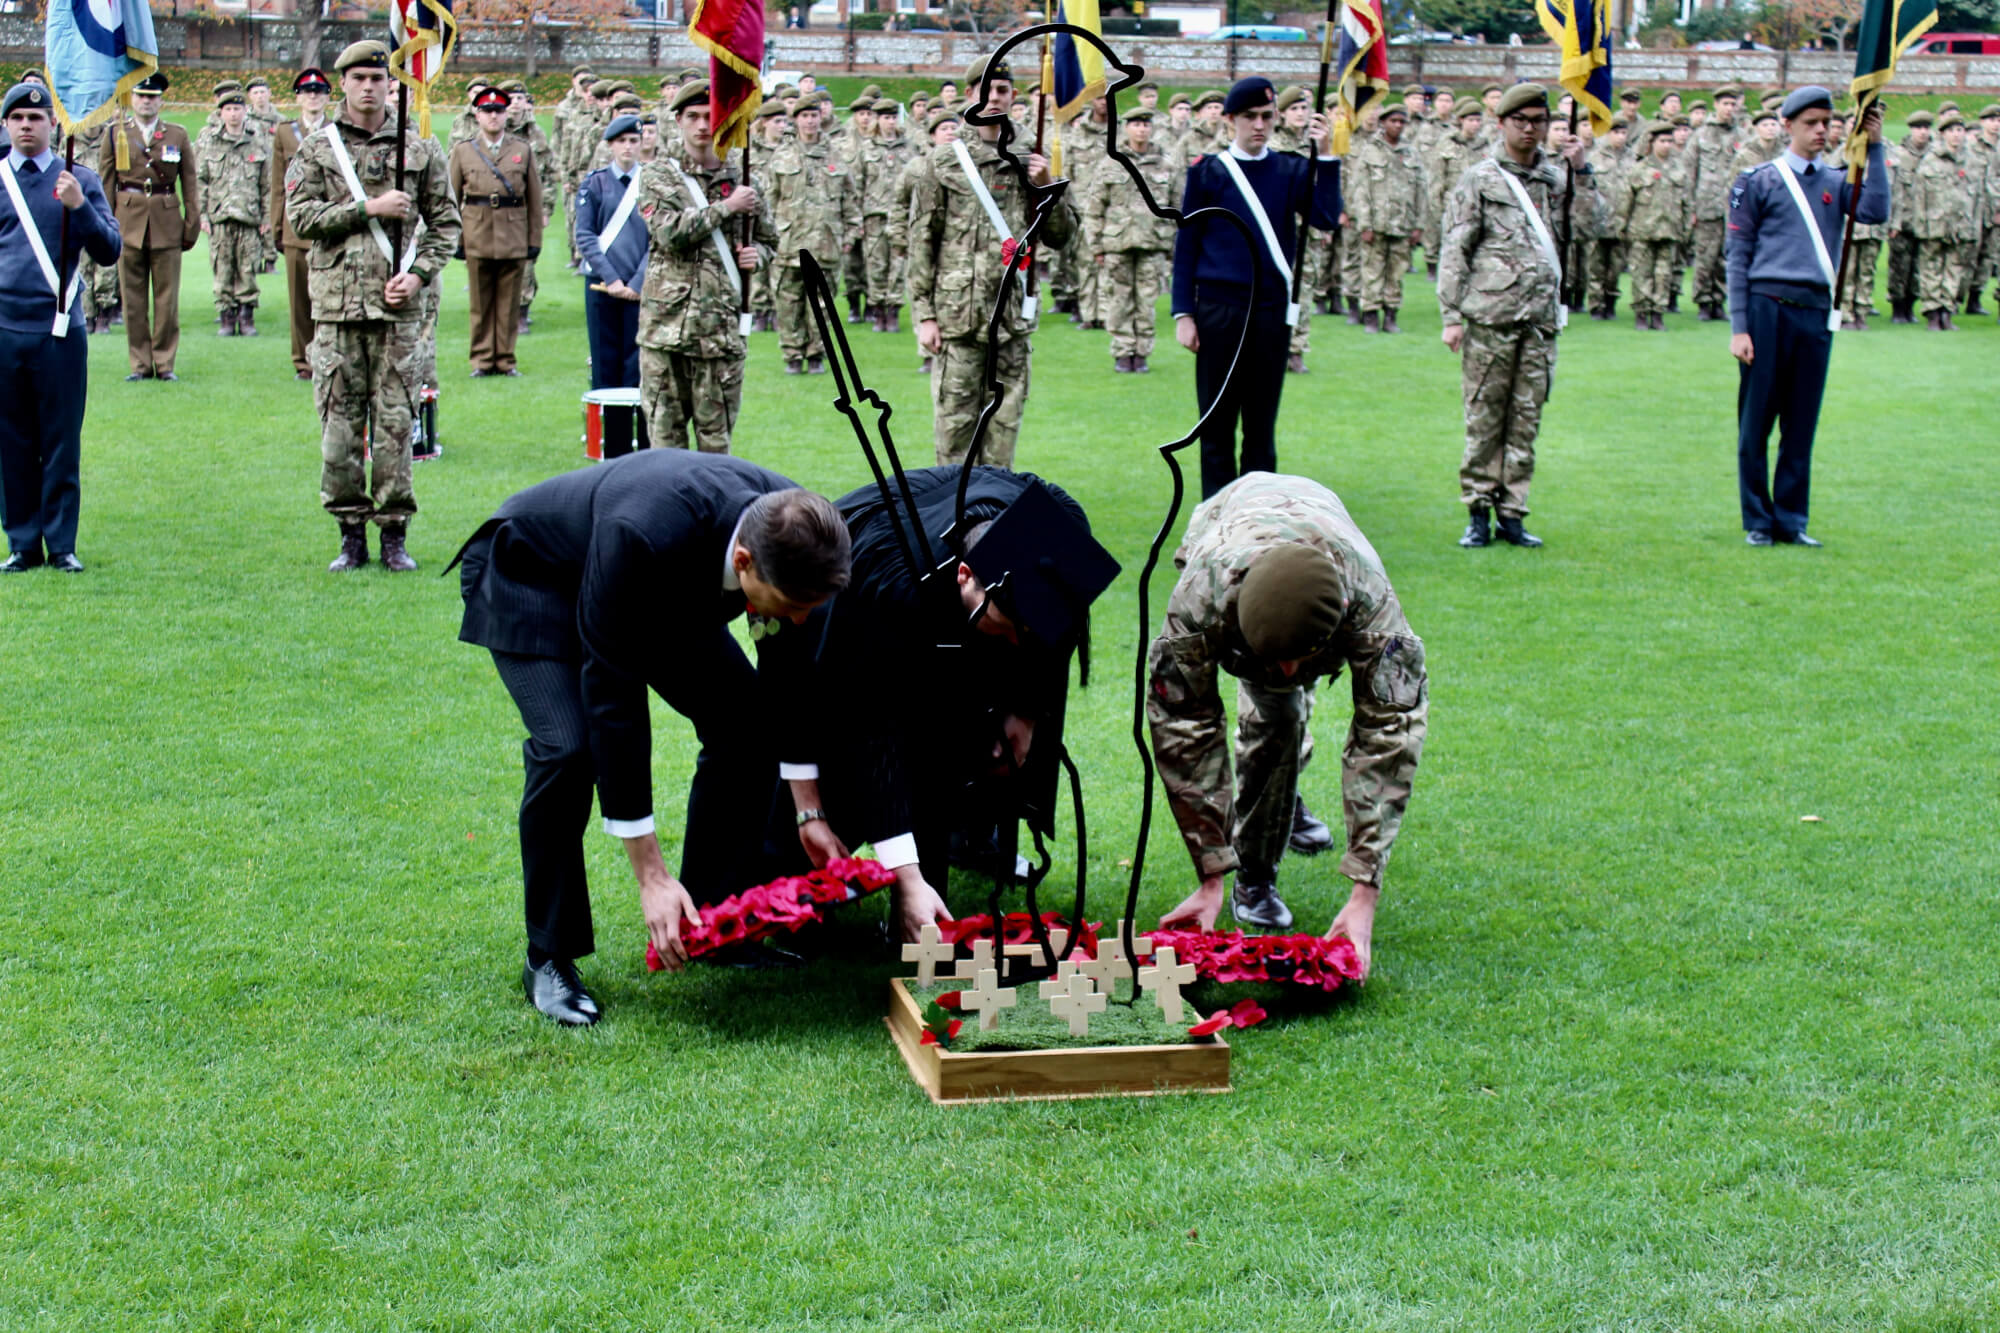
<point x="715" y="233"/>
<point x="346" y="164"/>
<point x="60" y="328"/>
<point x="1256" y="205"/>
<point x="494" y="167"/>
<point x="621" y="215"/>
<point x="1812" y="229"/>
<point x="1543" y="241"/>
<point x="993" y="215"/>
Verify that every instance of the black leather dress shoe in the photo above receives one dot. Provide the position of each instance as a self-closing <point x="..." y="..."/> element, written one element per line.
<point x="67" y="563"/>
<point x="1789" y="538"/>
<point x="168" y="376"/>
<point x="1757" y="537"/>
<point x="555" y="989"/>
<point x="19" y="562"/>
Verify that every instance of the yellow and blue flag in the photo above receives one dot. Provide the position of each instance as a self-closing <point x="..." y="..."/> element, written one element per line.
<point x="1888" y="28"/>
<point x="1078" y="66"/>
<point x="96" y="51"/>
<point x="1581" y="30"/>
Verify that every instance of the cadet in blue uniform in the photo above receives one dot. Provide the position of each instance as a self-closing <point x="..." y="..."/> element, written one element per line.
<point x="1781" y="305"/>
<point x="611" y="237"/>
<point x="44" y="366"/>
<point x="1213" y="268"/>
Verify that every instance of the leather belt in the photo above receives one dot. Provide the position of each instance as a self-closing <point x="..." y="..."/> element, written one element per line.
<point x="493" y="201"/>
<point x="143" y="187"/>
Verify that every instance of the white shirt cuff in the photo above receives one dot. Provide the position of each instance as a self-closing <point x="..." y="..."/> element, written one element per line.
<point x="896" y="852"/>
<point x="629" y="828"/>
<point x="798" y="772"/>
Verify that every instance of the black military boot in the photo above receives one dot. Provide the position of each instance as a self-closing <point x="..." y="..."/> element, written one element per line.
<point x="395" y="558"/>
<point x="1353" y="310"/>
<point x="246" y="321"/>
<point x="1972" y="306"/>
<point x="1369" y="324"/>
<point x="854" y="307"/>
<point x="1431" y="268"/>
<point x="1477" y="533"/>
<point x="225" y="322"/>
<point x="1389" y="324"/>
<point x="353" y="548"/>
<point x="1511" y="532"/>
<point x="815" y="365"/>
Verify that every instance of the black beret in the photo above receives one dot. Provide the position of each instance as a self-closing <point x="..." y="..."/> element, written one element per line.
<point x="1244" y="94"/>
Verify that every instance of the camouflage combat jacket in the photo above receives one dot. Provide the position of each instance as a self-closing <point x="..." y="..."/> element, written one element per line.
<point x="1450" y="157"/>
<point x="1715" y="146"/>
<point x="1115" y="213"/>
<point x="956" y="260"/>
<point x="875" y="173"/>
<point x="231" y="172"/>
<point x="1491" y="269"/>
<point x="908" y="185"/>
<point x="814" y="203"/>
<point x="1943" y="197"/>
<point x="1201" y="639"/>
<point x="1653" y="201"/>
<point x="347" y="270"/>
<point x="1385" y="188"/>
<point x="521" y="121"/>
<point x="688" y="303"/>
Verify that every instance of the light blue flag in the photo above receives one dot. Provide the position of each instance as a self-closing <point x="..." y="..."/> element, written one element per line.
<point x="96" y="51"/>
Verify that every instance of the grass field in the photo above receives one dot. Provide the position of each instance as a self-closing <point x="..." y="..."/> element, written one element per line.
<point x="1642" y="1048"/>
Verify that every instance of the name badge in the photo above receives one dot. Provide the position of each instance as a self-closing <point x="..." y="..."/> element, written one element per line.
<point x="171" y="153"/>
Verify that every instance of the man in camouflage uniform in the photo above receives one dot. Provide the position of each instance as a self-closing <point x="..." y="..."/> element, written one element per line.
<point x="1130" y="242"/>
<point x="1652" y="204"/>
<point x="1607" y="248"/>
<point x="1944" y="218"/>
<point x="310" y="89"/>
<point x="690" y="332"/>
<point x="1451" y="154"/>
<point x="1902" y="240"/>
<point x="264" y="119"/>
<point x="850" y="261"/>
<point x="940" y="128"/>
<point x="368" y="314"/>
<point x="771" y="132"/>
<point x="232" y="173"/>
<point x="1291" y="135"/>
<point x="1086" y="142"/>
<point x="880" y="163"/>
<point x="1280" y="589"/>
<point x="1385" y="210"/>
<point x="566" y="122"/>
<point x="1498" y="280"/>
<point x="1982" y="150"/>
<point x="957" y="264"/>
<point x="1714" y="146"/>
<point x="815" y="206"/>
<point x="1765" y="144"/>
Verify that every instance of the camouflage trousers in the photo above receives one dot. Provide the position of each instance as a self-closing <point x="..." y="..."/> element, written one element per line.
<point x="1383" y="263"/>
<point x="854" y="273"/>
<point x="959" y="393"/>
<point x="365" y="380"/>
<point x="1507" y="372"/>
<point x="1089" y="284"/>
<point x="1273" y="747"/>
<point x="1861" y="280"/>
<point x="1940" y="273"/>
<point x="1711" y="263"/>
<point x="1327" y="245"/>
<point x="885" y="270"/>
<point x="1607" y="265"/>
<point x="1653" y="274"/>
<point x="763" y="291"/>
<point x="236" y="256"/>
<point x="678" y="391"/>
<point x="798" y="334"/>
<point x="1350" y="264"/>
<point x="1903" y="269"/>
<point x="1130" y="281"/>
<point x="1309" y="281"/>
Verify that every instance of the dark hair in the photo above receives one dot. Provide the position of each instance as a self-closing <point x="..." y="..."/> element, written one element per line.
<point x="799" y="544"/>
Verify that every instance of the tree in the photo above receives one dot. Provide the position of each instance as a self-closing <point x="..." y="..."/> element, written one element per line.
<point x="533" y="17"/>
<point x="1490" y="20"/>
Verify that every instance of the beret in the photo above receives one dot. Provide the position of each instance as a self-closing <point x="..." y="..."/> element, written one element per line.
<point x="1143" y="84"/>
<point x="621" y="125"/>
<point x="1698" y="102"/>
<point x="258" y="82"/>
<point x="1394" y="109"/>
<point x="1248" y="93"/>
<point x="1213" y="97"/>
<point x="363" y="55"/>
<point x="650" y="118"/>
<point x="689" y="94"/>
<point x="1763" y="114"/>
<point x="1665" y="93"/>
<point x="1989" y="110"/>
<point x="619" y="101"/>
<point x="1682" y="122"/>
<point x="600" y="88"/>
<point x="1804" y="99"/>
<point x="1290" y="603"/>
<point x="1413" y="90"/>
<point x="1139" y="113"/>
<point x="1523" y="95"/>
<point x="230" y="96"/>
<point x="1918" y="119"/>
<point x="978" y="70"/>
<point x="513" y="86"/>
<point x="873" y="91"/>
<point x="225" y="86"/>
<point x="311" y="80"/>
<point x="888" y="106"/>
<point x="785" y="90"/>
<point x="156" y="82"/>
<point x="30" y="95"/>
<point x="1631" y="95"/>
<point x="1179" y="99"/>
<point x="491" y="98"/>
<point x="1946" y="105"/>
<point x="1622" y="122"/>
<point x="1950" y="119"/>
<point x="623" y="86"/>
<point x="1491" y="88"/>
<point x="938" y="117"/>
<point x="1290" y="96"/>
<point x="576" y="70"/>
<point x="1655" y="128"/>
<point x="770" y="110"/>
<point x="693" y="74"/>
<point x="33" y="74"/>
<point x="1471" y="109"/>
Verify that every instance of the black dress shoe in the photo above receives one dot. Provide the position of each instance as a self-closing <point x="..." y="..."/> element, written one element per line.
<point x="1788" y="538"/>
<point x="67" y="563"/>
<point x="136" y="376"/>
<point x="168" y="376"/>
<point x="555" y="989"/>
<point x="19" y="562"/>
<point x="1756" y="537"/>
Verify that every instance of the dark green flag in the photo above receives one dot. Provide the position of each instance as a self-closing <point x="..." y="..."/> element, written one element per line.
<point x="1888" y="27"/>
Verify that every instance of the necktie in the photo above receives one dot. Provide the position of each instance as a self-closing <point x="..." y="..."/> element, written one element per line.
<point x="29" y="171"/>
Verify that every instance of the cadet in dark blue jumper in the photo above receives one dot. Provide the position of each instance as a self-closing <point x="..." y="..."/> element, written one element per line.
<point x="1213" y="265"/>
<point x="611" y="237"/>
<point x="1781" y="279"/>
<point x="43" y="363"/>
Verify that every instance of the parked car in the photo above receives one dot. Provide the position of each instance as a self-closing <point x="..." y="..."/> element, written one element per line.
<point x="1957" y="44"/>
<point x="1733" y="44"/>
<point x="1258" y="32"/>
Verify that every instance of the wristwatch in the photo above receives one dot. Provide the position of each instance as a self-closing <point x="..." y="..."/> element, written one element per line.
<point x="808" y="815"/>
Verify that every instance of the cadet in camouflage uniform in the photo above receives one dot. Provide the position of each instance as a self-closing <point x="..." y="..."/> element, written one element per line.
<point x="1765" y="144"/>
<point x="1902" y="240"/>
<point x="1385" y="211"/>
<point x="232" y="171"/>
<point x="1499" y="300"/>
<point x="849" y="261"/>
<point x="815" y="206"/>
<point x="1130" y="242"/>
<point x="1280" y="589"/>
<point x="521" y="121"/>
<point x="1945" y="221"/>
<point x="956" y="266"/>
<point x="690" y="338"/>
<point x="1653" y="209"/>
<point x="1714" y="146"/>
<point x="1085" y="143"/>
<point x="770" y="133"/>
<point x="264" y="118"/>
<point x="369" y="327"/>
<point x="1982" y="148"/>
<point x="880" y="163"/>
<point x="1290" y="135"/>
<point x="941" y="128"/>
<point x="1451" y="155"/>
<point x="1607" y="249"/>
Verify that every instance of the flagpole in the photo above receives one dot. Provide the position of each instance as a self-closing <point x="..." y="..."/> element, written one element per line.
<point x="1569" y="197"/>
<point x="1046" y="89"/>
<point x="1312" y="153"/>
<point x="749" y="221"/>
<point x="402" y="144"/>
<point x="1853" y="201"/>
<point x="62" y="238"/>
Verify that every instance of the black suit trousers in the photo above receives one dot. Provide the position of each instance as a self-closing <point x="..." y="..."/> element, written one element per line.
<point x="1782" y="386"/>
<point x="713" y="685"/>
<point x="1253" y="393"/>
<point x="42" y="382"/>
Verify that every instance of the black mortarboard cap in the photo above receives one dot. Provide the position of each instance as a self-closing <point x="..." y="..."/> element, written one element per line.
<point x="1042" y="566"/>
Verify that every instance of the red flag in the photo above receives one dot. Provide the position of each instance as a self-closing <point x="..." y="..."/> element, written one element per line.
<point x="732" y="32"/>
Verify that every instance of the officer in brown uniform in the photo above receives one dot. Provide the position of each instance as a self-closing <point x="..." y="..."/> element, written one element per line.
<point x="310" y="89"/>
<point x="499" y="195"/>
<point x="157" y="202"/>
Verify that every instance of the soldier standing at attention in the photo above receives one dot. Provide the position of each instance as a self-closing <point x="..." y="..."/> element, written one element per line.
<point x="1453" y="152"/>
<point x="1902" y="240"/>
<point x="880" y="163"/>
<point x="1784" y="249"/>
<point x="814" y="205"/>
<point x="1280" y="589"/>
<point x="851" y="263"/>
<point x="1944" y="217"/>
<point x="310" y="90"/>
<point x="1607" y="246"/>
<point x="1715" y="147"/>
<point x="499" y="195"/>
<point x="690" y="334"/>
<point x="940" y="128"/>
<point x="1766" y="143"/>
<point x="958" y="258"/>
<point x="1982" y="148"/>
<point x="1653" y="213"/>
<point x="521" y="122"/>
<point x="159" y="206"/>
<point x="233" y="175"/>
<point x="1289" y="136"/>
<point x="368" y="308"/>
<point x="1131" y="241"/>
<point x="1385" y="208"/>
<point x="264" y="119"/>
<point x="1498" y="294"/>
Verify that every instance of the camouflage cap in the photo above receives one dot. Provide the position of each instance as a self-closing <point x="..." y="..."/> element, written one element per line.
<point x="1290" y="603"/>
<point x="689" y="95"/>
<point x="362" y="55"/>
<point x="937" y="118"/>
<point x="1730" y="91"/>
<point x="1290" y="95"/>
<point x="1919" y="119"/>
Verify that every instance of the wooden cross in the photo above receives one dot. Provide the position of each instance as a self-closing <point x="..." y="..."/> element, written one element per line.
<point x="929" y="950"/>
<point x="1057" y="985"/>
<point x="968" y="969"/>
<point x="1111" y="964"/>
<point x="989" y="997"/>
<point x="1165" y="979"/>
<point x="1058" y="937"/>
<point x="1077" y="1003"/>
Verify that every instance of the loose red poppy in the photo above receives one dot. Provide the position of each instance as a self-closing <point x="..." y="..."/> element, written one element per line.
<point x="1211" y="1025"/>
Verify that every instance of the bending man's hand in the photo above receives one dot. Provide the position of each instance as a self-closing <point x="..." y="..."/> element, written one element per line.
<point x="664" y="902"/>
<point x="822" y="844"/>
<point x="1198" y="910"/>
<point x="1356" y="922"/>
<point x="917" y="904"/>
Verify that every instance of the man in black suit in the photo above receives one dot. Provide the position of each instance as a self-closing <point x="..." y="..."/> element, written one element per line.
<point x="926" y="707"/>
<point x="587" y="589"/>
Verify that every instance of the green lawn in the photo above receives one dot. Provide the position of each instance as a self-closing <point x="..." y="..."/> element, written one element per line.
<point x="1642" y="1049"/>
